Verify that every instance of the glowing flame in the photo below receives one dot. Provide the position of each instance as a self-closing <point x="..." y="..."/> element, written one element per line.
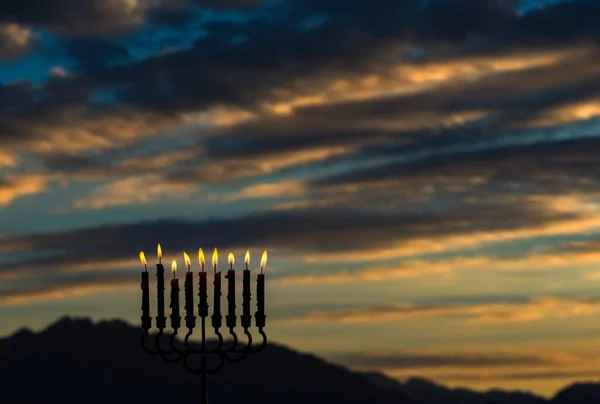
<point x="263" y="261"/>
<point x="231" y="259"/>
<point x="159" y="251"/>
<point x="174" y="266"/>
<point x="188" y="262"/>
<point x="201" y="256"/>
<point x="247" y="258"/>
<point x="215" y="259"/>
<point x="143" y="258"/>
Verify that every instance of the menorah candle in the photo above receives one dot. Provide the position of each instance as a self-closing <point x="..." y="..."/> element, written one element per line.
<point x="190" y="318"/>
<point x="175" y="317"/>
<point x="202" y="293"/>
<point x="161" y="320"/>
<point x="146" y="319"/>
<point x="246" y="316"/>
<point x="217" y="318"/>
<point x="260" y="294"/>
<point x="230" y="319"/>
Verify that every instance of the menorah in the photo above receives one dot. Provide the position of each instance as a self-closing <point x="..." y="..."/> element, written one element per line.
<point x="175" y="352"/>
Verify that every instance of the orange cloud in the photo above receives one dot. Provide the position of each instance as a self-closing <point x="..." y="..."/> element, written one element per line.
<point x="14" y="186"/>
<point x="16" y="40"/>
<point x="534" y="309"/>
<point x="141" y="189"/>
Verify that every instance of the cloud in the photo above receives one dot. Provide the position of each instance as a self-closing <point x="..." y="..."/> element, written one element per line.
<point x="13" y="186"/>
<point x="82" y="284"/>
<point x="316" y="232"/>
<point x="132" y="191"/>
<point x="16" y="41"/>
<point x="285" y="189"/>
<point x="530" y="375"/>
<point x="530" y="310"/>
<point x="76" y="18"/>
<point x="482" y="358"/>
<point x="412" y="268"/>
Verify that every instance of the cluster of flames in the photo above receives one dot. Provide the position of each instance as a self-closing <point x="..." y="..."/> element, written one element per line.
<point x="215" y="259"/>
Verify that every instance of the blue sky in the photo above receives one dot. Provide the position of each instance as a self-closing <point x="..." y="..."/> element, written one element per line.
<point x="424" y="178"/>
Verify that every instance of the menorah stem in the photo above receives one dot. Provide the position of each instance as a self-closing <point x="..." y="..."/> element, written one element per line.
<point x="204" y="398"/>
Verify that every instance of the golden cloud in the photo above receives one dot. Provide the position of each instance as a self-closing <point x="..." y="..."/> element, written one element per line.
<point x="14" y="186"/>
<point x="533" y="309"/>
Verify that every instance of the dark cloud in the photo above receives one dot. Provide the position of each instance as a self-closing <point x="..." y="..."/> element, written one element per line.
<point x="69" y="285"/>
<point x="316" y="231"/>
<point x="229" y="4"/>
<point x="276" y="54"/>
<point x="563" y="21"/>
<point x="279" y="57"/>
<point x="98" y="17"/>
<point x="95" y="53"/>
<point x="509" y="99"/>
<point x="546" y="167"/>
<point x="69" y="17"/>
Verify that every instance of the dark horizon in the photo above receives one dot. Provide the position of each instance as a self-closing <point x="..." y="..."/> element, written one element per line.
<point x="109" y="346"/>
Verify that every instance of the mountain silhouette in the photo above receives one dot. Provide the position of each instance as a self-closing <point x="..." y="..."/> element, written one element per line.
<point x="77" y="361"/>
<point x="423" y="391"/>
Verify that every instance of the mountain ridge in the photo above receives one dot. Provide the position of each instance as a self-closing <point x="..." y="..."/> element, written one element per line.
<point x="105" y="357"/>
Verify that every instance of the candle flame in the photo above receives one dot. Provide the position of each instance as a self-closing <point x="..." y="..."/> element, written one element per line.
<point x="201" y="256"/>
<point x="143" y="258"/>
<point x="188" y="262"/>
<point x="215" y="259"/>
<point x="263" y="261"/>
<point x="174" y="266"/>
<point x="247" y="258"/>
<point x="231" y="259"/>
<point x="159" y="251"/>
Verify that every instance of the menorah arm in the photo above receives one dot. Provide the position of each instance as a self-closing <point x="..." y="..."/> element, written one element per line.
<point x="168" y="354"/>
<point x="231" y="353"/>
<point x="149" y="351"/>
<point x="237" y="355"/>
<point x="203" y="349"/>
<point x="262" y="345"/>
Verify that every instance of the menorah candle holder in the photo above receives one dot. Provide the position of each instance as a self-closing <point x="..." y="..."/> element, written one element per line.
<point x="177" y="351"/>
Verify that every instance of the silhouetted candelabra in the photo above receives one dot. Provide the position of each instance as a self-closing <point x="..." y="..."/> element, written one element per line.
<point x="175" y="350"/>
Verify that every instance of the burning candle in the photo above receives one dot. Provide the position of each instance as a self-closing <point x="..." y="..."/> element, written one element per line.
<point x="217" y="319"/>
<point x="161" y="320"/>
<point x="190" y="319"/>
<point x="203" y="305"/>
<point x="146" y="320"/>
<point x="260" y="294"/>
<point x="231" y="292"/>
<point x="246" y="316"/>
<point x="175" y="317"/>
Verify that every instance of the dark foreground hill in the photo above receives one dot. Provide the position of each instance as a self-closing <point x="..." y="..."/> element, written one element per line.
<point x="76" y="361"/>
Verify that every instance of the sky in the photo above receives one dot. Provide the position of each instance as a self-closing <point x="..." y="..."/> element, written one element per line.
<point x="423" y="174"/>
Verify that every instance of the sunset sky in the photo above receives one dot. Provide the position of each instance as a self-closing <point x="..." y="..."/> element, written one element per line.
<point x="425" y="175"/>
